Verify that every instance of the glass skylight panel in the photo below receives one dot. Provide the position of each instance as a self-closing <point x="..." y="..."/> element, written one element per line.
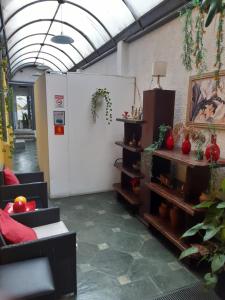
<point x="59" y="54"/>
<point x="10" y="6"/>
<point x="41" y="10"/>
<point x="79" y="41"/>
<point x="47" y="63"/>
<point x="112" y="13"/>
<point x="21" y="50"/>
<point x="54" y="60"/>
<point x="24" y="43"/>
<point x="84" y="22"/>
<point x="141" y="7"/>
<point x="23" y="61"/>
<point x="18" y="57"/>
<point x="37" y="27"/>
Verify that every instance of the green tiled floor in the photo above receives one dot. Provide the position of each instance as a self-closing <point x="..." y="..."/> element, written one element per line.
<point x="118" y="258"/>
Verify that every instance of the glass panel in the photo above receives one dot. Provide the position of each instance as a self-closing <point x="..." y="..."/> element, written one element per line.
<point x="37" y="27"/>
<point x="112" y="13"/>
<point x="10" y="6"/>
<point x="43" y="10"/>
<point x="21" y="61"/>
<point x="28" y="40"/>
<point x="140" y="7"/>
<point x="54" y="60"/>
<point x="47" y="63"/>
<point x="24" y="43"/>
<point x="84" y="22"/>
<point x="21" y="66"/>
<point x="58" y="54"/>
<point x="20" y="56"/>
<point x="14" y="54"/>
<point x="79" y="41"/>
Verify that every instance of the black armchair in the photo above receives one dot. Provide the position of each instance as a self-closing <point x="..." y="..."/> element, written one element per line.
<point x="32" y="187"/>
<point x="60" y="249"/>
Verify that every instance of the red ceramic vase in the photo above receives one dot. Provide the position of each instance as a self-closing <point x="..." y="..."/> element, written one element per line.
<point x="170" y="141"/>
<point x="212" y="152"/>
<point x="186" y="146"/>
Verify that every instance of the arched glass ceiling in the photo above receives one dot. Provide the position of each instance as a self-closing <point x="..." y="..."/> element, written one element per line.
<point x="30" y="25"/>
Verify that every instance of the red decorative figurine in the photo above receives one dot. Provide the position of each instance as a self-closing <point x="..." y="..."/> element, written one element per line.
<point x="170" y="141"/>
<point x="212" y="152"/>
<point x="186" y="146"/>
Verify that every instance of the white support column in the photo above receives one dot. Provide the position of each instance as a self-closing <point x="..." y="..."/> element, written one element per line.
<point x="122" y="58"/>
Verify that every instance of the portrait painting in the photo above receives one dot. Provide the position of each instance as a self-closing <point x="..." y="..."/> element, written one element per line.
<point x="206" y="101"/>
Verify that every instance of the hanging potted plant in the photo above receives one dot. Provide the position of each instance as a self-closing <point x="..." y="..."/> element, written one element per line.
<point x="97" y="100"/>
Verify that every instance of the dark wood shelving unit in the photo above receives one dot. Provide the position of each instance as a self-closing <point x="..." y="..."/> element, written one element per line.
<point x="129" y="171"/>
<point x="129" y="196"/>
<point x="130" y="148"/>
<point x="173" y="197"/>
<point x="196" y="181"/>
<point x="131" y="121"/>
<point x="165" y="228"/>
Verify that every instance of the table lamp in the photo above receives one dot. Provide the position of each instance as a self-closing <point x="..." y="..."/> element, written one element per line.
<point x="159" y="69"/>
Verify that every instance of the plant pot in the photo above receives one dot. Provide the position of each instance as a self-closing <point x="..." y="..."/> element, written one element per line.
<point x="169" y="141"/>
<point x="164" y="211"/>
<point x="186" y="145"/>
<point x="199" y="154"/>
<point x="212" y="152"/>
<point x="174" y="217"/>
<point x="203" y="197"/>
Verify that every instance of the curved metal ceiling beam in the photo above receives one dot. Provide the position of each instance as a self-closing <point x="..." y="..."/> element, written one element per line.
<point x="34" y="34"/>
<point x="53" y="20"/>
<point x="24" y="66"/>
<point x="43" y="53"/>
<point x="45" y="45"/>
<point x="65" y="1"/>
<point x="34" y="57"/>
<point x="131" y="10"/>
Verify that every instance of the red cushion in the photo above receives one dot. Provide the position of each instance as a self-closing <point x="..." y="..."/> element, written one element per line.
<point x="9" y="177"/>
<point x="13" y="231"/>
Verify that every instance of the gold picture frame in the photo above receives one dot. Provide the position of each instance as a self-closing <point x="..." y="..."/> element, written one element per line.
<point x="206" y="104"/>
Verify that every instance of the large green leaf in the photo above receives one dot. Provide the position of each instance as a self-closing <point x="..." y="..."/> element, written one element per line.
<point x="217" y="262"/>
<point x="204" y="204"/>
<point x="221" y="205"/>
<point x="193" y="230"/>
<point x="211" y="232"/>
<point x="188" y="252"/>
<point x="210" y="279"/>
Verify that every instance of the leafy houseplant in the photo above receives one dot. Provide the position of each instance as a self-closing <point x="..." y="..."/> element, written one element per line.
<point x="96" y="102"/>
<point x="155" y="146"/>
<point x="211" y="230"/>
<point x="194" y="52"/>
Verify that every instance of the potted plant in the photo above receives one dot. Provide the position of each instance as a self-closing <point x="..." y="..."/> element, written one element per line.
<point x="211" y="232"/>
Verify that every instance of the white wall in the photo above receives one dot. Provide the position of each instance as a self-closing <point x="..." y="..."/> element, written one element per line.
<point x="82" y="160"/>
<point x="164" y="43"/>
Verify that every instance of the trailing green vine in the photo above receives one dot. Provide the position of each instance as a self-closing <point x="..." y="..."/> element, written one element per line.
<point x="199" y="51"/>
<point x="163" y="129"/>
<point x="96" y="102"/>
<point x="220" y="48"/>
<point x="188" y="39"/>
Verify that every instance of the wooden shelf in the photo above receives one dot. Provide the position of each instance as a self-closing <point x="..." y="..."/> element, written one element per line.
<point x="129" y="171"/>
<point x="172" y="197"/>
<point x="128" y="196"/>
<point x="130" y="148"/>
<point x="189" y="160"/>
<point x="139" y="122"/>
<point x="165" y="228"/>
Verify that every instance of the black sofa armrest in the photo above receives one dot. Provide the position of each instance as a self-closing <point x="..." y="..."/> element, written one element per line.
<point x="61" y="252"/>
<point x="30" y="177"/>
<point x="38" y="217"/>
<point x="32" y="191"/>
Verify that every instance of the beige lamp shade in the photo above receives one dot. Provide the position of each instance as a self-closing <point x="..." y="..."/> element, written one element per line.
<point x="159" y="68"/>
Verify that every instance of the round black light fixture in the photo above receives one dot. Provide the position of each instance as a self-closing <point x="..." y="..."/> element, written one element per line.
<point x="62" y="39"/>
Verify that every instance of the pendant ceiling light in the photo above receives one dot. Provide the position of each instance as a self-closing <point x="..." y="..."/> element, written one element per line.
<point x="62" y="38"/>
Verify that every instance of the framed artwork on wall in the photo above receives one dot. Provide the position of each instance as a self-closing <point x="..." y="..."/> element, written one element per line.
<point x="206" y="103"/>
<point x="59" y="117"/>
